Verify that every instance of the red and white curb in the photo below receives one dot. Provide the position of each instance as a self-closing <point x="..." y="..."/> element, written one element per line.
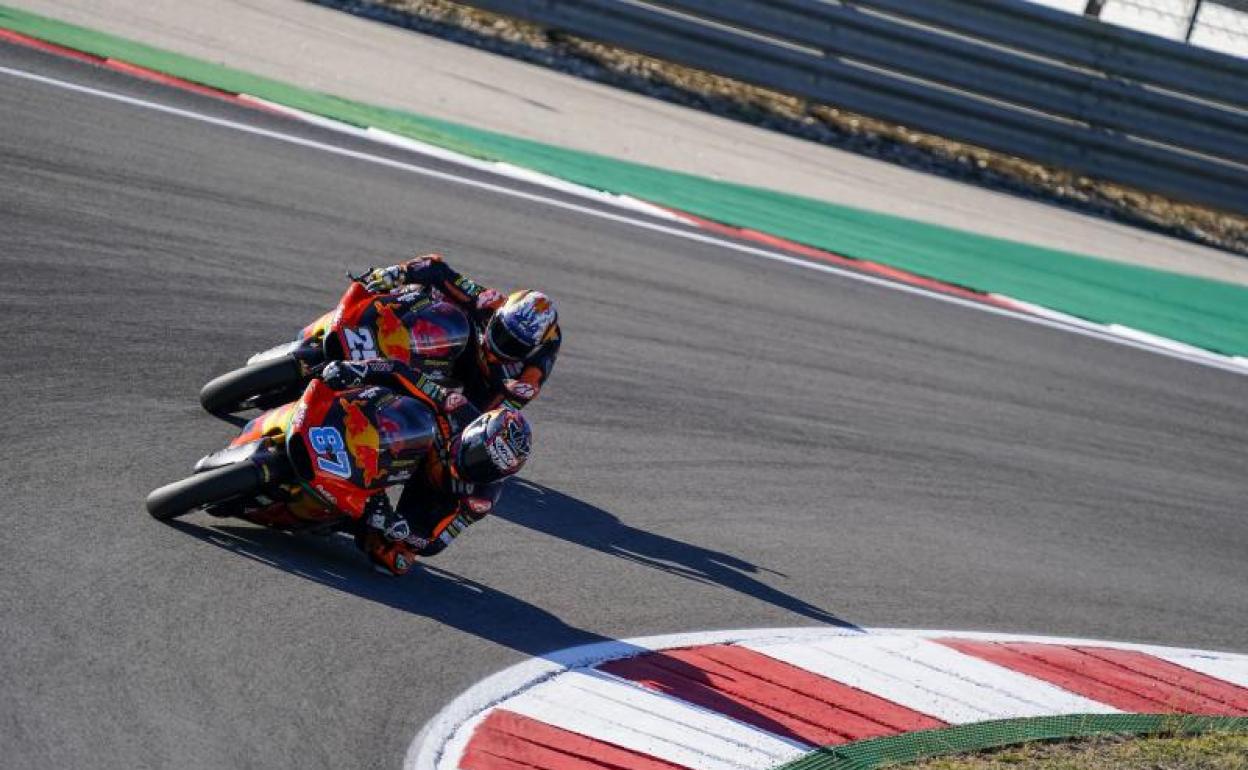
<point x="808" y="256"/>
<point x="751" y="700"/>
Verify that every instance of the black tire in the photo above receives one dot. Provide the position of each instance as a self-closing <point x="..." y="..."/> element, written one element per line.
<point x="214" y="486"/>
<point x="254" y="385"/>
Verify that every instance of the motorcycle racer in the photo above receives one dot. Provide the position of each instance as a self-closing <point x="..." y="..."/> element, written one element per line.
<point x="451" y="484"/>
<point x="516" y="339"/>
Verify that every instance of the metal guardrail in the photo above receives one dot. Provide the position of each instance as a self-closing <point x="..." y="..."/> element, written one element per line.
<point x="1023" y="79"/>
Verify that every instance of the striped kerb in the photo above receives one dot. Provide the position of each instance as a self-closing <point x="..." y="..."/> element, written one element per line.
<point x="772" y="695"/>
<point x="509" y="741"/>
<point x="1125" y="679"/>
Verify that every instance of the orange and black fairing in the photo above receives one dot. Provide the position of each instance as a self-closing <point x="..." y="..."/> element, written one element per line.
<point x="268" y="424"/>
<point x="348" y="446"/>
<point x="350" y="306"/>
<point x="404" y="326"/>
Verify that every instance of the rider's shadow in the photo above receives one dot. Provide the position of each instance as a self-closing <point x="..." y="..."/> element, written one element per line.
<point x="558" y="515"/>
<point x="468" y="606"/>
<point x="427" y="591"/>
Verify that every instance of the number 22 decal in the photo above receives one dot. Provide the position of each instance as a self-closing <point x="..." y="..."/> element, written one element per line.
<point x="360" y="341"/>
<point x="331" y="453"/>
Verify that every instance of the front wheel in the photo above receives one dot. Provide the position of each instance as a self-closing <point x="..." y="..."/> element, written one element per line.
<point x="261" y="384"/>
<point x="215" y="486"/>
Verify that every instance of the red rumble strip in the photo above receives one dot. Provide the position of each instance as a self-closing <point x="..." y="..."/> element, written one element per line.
<point x="860" y="265"/>
<point x="1124" y="679"/>
<point x="10" y="36"/>
<point x="769" y="694"/>
<point x="131" y="69"/>
<point x="510" y="741"/>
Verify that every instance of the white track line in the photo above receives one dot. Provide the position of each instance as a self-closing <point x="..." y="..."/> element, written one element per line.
<point x="1202" y="358"/>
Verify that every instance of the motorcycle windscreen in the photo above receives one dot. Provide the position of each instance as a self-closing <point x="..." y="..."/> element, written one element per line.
<point x="405" y="429"/>
<point x="438" y="331"/>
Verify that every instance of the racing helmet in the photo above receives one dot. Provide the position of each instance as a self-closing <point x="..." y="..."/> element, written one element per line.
<point x="520" y="325"/>
<point x="491" y="447"/>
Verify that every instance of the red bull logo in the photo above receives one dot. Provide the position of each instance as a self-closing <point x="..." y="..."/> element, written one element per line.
<point x="392" y="335"/>
<point x="362" y="441"/>
<point x="429" y="339"/>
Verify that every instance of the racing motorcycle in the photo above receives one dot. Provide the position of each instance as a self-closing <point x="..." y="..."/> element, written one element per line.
<point x="309" y="465"/>
<point x="415" y="324"/>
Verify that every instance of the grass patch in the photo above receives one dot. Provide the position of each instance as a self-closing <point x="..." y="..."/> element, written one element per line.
<point x="1212" y="751"/>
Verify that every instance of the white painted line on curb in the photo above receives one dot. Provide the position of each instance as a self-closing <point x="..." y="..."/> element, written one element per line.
<point x="307" y="117"/>
<point x="1152" y="339"/>
<point x="612" y="710"/>
<point x="931" y="678"/>
<point x="1204" y="358"/>
<point x="1234" y="670"/>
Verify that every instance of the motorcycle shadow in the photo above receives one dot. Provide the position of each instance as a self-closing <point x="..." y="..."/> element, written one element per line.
<point x="553" y="513"/>
<point x="429" y="591"/>
<point x="465" y="605"/>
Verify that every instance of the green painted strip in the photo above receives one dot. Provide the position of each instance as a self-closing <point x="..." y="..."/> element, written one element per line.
<point x="1205" y="313"/>
<point x="912" y="747"/>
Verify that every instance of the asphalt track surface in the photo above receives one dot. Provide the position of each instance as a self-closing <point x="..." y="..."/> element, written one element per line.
<point x="726" y="442"/>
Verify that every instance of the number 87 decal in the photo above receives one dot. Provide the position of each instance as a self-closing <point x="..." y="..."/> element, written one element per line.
<point x="331" y="453"/>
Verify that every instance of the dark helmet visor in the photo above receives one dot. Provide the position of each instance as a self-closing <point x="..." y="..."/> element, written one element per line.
<point x="503" y="342"/>
<point x="474" y="463"/>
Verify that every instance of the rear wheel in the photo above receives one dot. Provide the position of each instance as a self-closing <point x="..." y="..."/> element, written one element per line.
<point x="262" y="385"/>
<point x="215" y="486"/>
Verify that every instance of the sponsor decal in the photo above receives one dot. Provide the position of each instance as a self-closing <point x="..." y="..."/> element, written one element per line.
<point x="429" y="339"/>
<point x="296" y="422"/>
<point x="325" y="493"/>
<point x="469" y="286"/>
<point x="521" y="390"/>
<point x="392" y="335"/>
<point x="480" y="505"/>
<point x="415" y="299"/>
<point x="430" y="388"/>
<point x="362" y="440"/>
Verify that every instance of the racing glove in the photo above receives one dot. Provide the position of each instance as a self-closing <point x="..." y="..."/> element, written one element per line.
<point x="490" y="299"/>
<point x="380" y="280"/>
<point x="341" y="375"/>
<point x="394" y="557"/>
<point x="387" y="538"/>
